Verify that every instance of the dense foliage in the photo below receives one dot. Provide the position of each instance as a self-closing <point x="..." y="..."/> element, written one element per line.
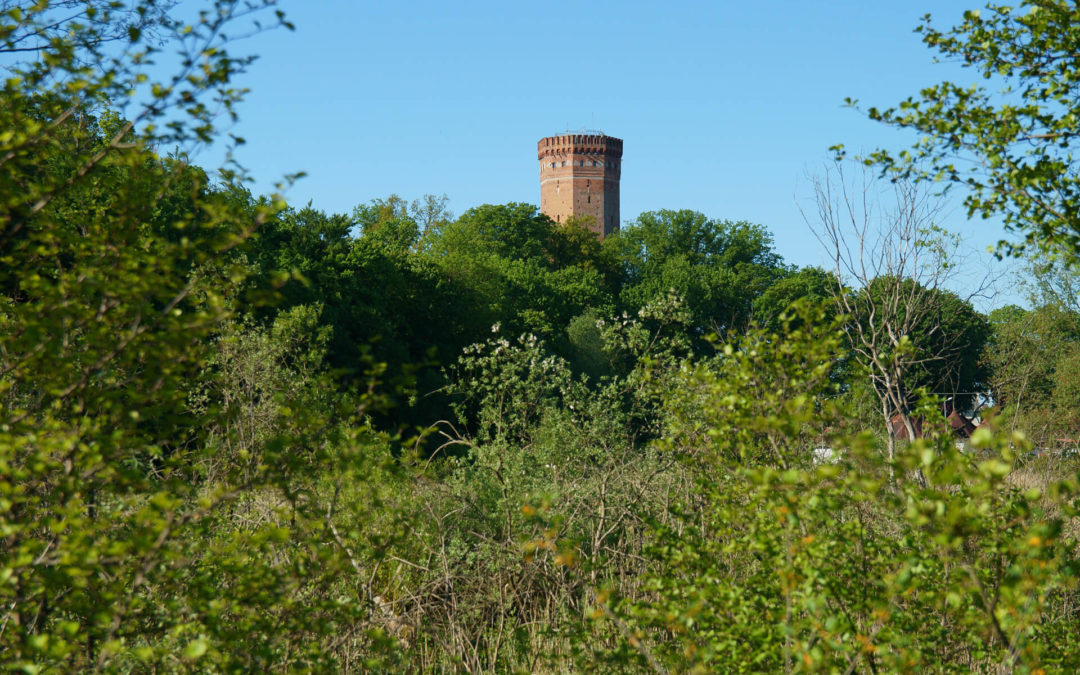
<point x="1009" y="138"/>
<point x="238" y="435"/>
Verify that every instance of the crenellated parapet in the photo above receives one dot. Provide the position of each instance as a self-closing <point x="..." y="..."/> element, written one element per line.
<point x="579" y="144"/>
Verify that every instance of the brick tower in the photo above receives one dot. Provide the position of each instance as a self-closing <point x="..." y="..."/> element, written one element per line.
<point x="579" y="176"/>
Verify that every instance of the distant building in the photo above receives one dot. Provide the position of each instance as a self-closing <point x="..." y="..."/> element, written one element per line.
<point x="579" y="176"/>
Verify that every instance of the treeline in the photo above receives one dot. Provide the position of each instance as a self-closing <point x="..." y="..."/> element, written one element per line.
<point x="408" y="287"/>
<point x="242" y="436"/>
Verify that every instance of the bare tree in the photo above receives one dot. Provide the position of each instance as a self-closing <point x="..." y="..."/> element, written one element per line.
<point x="891" y="261"/>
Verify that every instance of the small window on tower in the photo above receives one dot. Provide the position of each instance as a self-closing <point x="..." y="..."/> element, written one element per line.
<point x="564" y="164"/>
<point x="588" y="200"/>
<point x="594" y="162"/>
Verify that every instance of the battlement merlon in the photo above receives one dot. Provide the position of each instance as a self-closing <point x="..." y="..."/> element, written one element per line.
<point x="579" y="144"/>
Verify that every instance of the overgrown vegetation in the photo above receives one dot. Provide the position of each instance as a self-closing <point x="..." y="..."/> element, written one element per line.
<point x="242" y="436"/>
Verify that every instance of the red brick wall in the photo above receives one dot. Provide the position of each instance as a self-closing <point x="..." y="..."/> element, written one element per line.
<point x="579" y="176"/>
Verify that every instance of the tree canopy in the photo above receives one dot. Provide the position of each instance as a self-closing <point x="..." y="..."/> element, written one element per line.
<point x="718" y="267"/>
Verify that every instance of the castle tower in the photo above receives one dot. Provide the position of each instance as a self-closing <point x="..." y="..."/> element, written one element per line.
<point x="579" y="176"/>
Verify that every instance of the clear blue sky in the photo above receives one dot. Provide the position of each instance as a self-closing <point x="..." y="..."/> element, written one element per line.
<point x="723" y="106"/>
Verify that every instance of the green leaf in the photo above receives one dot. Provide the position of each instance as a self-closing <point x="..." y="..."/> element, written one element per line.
<point x="195" y="649"/>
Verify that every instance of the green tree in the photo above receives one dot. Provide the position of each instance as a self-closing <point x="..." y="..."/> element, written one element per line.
<point x="389" y="222"/>
<point x="97" y="22"/>
<point x="521" y="270"/>
<point x="808" y="284"/>
<point x="947" y="336"/>
<point x="1052" y="280"/>
<point x="775" y="562"/>
<point x="120" y="548"/>
<point x="382" y="299"/>
<point x="1032" y="357"/>
<point x="1009" y="140"/>
<point x="717" y="267"/>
